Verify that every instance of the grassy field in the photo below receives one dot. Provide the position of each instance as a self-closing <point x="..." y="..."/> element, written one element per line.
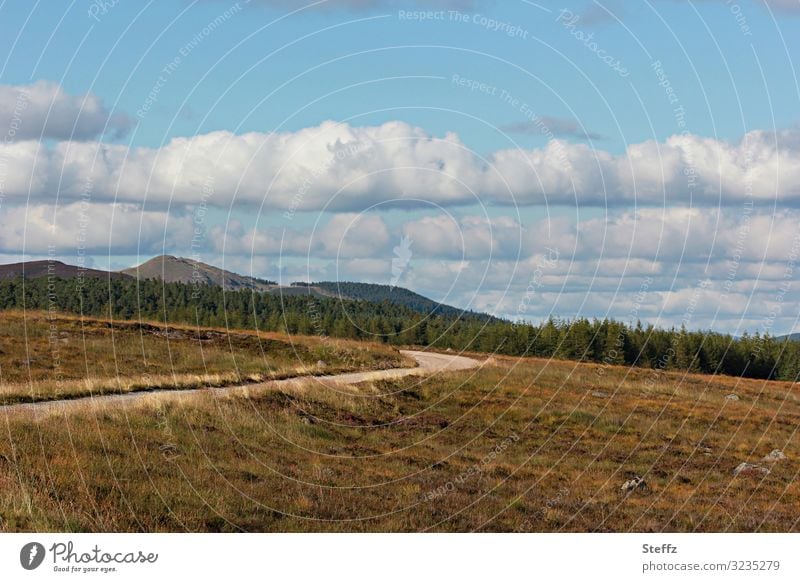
<point x="518" y="445"/>
<point x="45" y="358"/>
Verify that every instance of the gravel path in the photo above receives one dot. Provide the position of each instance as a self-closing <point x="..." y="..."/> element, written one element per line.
<point x="428" y="363"/>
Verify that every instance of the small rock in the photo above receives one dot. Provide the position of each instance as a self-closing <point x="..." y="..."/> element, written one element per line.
<point x="750" y="469"/>
<point x="322" y="364"/>
<point x="634" y="484"/>
<point x="732" y="397"/>
<point x="599" y="394"/>
<point x="703" y="448"/>
<point x="774" y="456"/>
<point x="305" y="420"/>
<point x="449" y="350"/>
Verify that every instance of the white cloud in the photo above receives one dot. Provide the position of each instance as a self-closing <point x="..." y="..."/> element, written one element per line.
<point x="353" y="236"/>
<point x="339" y="167"/>
<point x="647" y="241"/>
<point x="233" y="239"/>
<point x="91" y="228"/>
<point x="345" y="235"/>
<point x="45" y="110"/>
<point x="470" y="237"/>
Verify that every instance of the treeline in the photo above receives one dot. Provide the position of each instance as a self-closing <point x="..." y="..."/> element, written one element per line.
<point x="602" y="341"/>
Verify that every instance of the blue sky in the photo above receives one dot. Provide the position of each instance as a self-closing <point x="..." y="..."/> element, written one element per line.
<point x="629" y="136"/>
<point x="730" y="82"/>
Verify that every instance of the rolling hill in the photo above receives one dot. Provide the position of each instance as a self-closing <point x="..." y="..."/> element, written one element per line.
<point x="181" y="270"/>
<point x="171" y="269"/>
<point x="36" y="269"/>
<point x="396" y="295"/>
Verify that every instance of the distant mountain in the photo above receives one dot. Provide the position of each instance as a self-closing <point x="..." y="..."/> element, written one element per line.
<point x="396" y="295"/>
<point x="36" y="269"/>
<point x="180" y="270"/>
<point x="795" y="337"/>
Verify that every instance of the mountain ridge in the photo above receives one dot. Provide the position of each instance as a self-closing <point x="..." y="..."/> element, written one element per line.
<point x="174" y="269"/>
<point x="47" y="267"/>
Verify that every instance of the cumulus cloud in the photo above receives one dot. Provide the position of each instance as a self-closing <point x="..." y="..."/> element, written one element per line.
<point x="340" y="167"/>
<point x="233" y="239"/>
<point x="91" y="228"/>
<point x="45" y="110"/>
<point x="471" y="237"/>
<point x="695" y="243"/>
<point x="352" y="235"/>
<point x="345" y="235"/>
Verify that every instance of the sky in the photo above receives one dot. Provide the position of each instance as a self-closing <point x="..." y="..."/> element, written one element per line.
<point x="635" y="160"/>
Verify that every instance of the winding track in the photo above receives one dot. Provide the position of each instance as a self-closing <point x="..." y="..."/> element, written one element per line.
<point x="428" y="363"/>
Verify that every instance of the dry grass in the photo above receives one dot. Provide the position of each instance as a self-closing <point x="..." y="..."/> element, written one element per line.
<point x="520" y="445"/>
<point x="44" y="358"/>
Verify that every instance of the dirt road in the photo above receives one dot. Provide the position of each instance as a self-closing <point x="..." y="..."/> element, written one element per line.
<point x="428" y="363"/>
